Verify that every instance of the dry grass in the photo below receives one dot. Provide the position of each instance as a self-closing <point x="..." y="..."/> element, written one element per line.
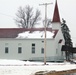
<point x="56" y="72"/>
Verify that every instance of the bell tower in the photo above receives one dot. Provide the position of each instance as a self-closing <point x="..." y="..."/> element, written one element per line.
<point x="56" y="24"/>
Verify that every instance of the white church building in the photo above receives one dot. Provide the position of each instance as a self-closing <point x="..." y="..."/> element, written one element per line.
<point x="28" y="44"/>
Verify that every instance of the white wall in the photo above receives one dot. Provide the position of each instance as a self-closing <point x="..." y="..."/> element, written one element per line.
<point x="56" y="25"/>
<point x="26" y="45"/>
<point x="59" y="45"/>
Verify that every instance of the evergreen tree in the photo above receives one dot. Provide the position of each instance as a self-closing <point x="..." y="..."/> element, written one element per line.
<point x="67" y="37"/>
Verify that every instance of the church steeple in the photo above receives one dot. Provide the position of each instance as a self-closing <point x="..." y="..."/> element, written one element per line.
<point x="56" y="17"/>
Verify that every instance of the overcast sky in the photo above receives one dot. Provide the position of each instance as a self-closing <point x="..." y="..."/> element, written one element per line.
<point x="67" y="10"/>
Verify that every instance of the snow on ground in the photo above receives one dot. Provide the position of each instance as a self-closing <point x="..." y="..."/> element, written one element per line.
<point x="17" y="67"/>
<point x="5" y="62"/>
<point x="35" y="34"/>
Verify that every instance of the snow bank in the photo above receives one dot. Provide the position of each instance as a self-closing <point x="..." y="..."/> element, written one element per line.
<point x="35" y="34"/>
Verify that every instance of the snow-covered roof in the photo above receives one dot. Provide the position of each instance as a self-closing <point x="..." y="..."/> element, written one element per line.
<point x="36" y="32"/>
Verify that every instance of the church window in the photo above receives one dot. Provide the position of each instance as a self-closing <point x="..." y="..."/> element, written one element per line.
<point x="19" y="49"/>
<point x="42" y="41"/>
<point x="33" y="48"/>
<point x="42" y="50"/>
<point x="6" y="50"/>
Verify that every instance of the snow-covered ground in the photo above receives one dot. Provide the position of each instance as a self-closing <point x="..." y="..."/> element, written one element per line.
<point x="17" y="67"/>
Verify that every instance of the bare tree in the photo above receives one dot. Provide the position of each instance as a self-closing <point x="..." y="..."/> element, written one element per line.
<point x="26" y="18"/>
<point x="48" y="22"/>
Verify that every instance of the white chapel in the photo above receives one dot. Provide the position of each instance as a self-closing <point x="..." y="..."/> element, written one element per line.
<point x="28" y="44"/>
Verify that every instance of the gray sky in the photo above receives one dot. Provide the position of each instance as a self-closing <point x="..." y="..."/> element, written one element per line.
<point x="67" y="10"/>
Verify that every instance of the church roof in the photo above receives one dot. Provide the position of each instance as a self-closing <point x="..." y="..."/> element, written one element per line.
<point x="13" y="32"/>
<point x="56" y="17"/>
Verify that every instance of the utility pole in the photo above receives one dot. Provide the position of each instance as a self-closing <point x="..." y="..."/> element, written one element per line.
<point x="45" y="4"/>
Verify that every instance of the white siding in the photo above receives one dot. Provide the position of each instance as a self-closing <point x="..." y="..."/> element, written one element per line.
<point x="58" y="45"/>
<point x="56" y="25"/>
<point x="26" y="45"/>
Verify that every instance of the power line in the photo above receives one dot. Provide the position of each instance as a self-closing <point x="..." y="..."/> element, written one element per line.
<point x="6" y="15"/>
